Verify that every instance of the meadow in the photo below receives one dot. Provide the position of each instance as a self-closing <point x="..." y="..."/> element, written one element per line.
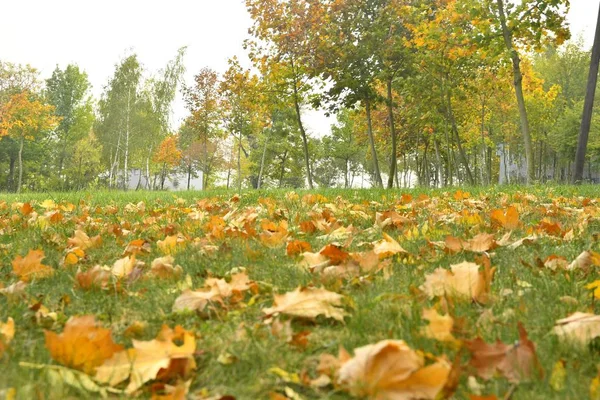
<point x="267" y="294"/>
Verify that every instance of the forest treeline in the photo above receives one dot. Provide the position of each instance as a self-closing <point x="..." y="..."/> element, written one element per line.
<point x="431" y="93"/>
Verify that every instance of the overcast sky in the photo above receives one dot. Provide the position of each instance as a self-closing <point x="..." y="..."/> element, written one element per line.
<point x="97" y="34"/>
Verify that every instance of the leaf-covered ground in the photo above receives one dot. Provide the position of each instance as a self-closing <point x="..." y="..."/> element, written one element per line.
<point x="269" y="295"/>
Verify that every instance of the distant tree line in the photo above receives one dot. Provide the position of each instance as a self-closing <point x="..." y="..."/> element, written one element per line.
<point x="430" y="93"/>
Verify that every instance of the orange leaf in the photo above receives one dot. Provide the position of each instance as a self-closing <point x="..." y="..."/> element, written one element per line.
<point x="31" y="267"/>
<point x="83" y="345"/>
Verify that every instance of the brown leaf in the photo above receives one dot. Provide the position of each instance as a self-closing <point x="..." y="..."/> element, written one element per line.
<point x="96" y="277"/>
<point x="515" y="362"/>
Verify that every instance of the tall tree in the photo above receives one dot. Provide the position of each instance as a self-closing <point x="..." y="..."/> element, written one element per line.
<point x="68" y="91"/>
<point x="117" y="109"/>
<point x="204" y="103"/>
<point x="528" y="24"/>
<point x="23" y="118"/>
<point x="282" y="29"/>
<point x="588" y="107"/>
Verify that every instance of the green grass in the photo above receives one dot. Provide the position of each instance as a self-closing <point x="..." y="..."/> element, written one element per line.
<point x="378" y="308"/>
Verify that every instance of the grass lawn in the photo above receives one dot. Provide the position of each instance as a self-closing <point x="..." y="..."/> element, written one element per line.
<point x="242" y="353"/>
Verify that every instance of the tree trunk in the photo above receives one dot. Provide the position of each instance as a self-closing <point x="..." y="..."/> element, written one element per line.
<point x="588" y="107"/>
<point x="302" y="131"/>
<point x="461" y="151"/>
<point x="518" y="83"/>
<point x="282" y="172"/>
<point x="21" y="142"/>
<point x="126" y="163"/>
<point x="10" y="181"/>
<point x="378" y="180"/>
<point x="262" y="164"/>
<point x="438" y="164"/>
<point x="189" y="175"/>
<point x="239" y="162"/>
<point x="393" y="161"/>
<point x="483" y="168"/>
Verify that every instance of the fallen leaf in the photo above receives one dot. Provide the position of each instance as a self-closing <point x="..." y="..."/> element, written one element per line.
<point x="31" y="267"/>
<point x="82" y="345"/>
<point x="296" y="247"/>
<point x="515" y="362"/>
<point x="96" y="277"/>
<point x="308" y="303"/>
<point x="508" y="219"/>
<point x="558" y="376"/>
<point x="387" y="247"/>
<point x="464" y="280"/>
<point x="146" y="360"/>
<point x="390" y="370"/>
<point x="81" y="240"/>
<point x="440" y="326"/>
<point x="578" y="328"/>
<point x="163" y="268"/>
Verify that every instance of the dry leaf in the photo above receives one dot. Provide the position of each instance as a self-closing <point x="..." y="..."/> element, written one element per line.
<point x="390" y="370"/>
<point x="387" y="247"/>
<point x="81" y="240"/>
<point x="464" y="280"/>
<point x="82" y="345"/>
<point x="124" y="266"/>
<point x="31" y="267"/>
<point x="308" y="303"/>
<point x="163" y="268"/>
<point x="146" y="360"/>
<point x="440" y="326"/>
<point x="96" y="277"/>
<point x="515" y="362"/>
<point x="578" y="328"/>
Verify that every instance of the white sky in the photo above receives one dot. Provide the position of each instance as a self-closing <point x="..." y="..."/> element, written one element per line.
<point x="97" y="34"/>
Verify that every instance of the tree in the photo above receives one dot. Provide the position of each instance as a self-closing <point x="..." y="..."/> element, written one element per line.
<point x="22" y="118"/>
<point x="168" y="155"/>
<point x="282" y="28"/>
<point x="588" y="107"/>
<point x="118" y="107"/>
<point x="203" y="125"/>
<point x="68" y="91"/>
<point x="528" y="24"/>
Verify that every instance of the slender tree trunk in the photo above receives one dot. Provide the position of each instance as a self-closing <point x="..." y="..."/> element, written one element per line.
<point x="483" y="146"/>
<point x="393" y="160"/>
<point x="10" y="181"/>
<point x="378" y="180"/>
<point x="20" y="183"/>
<point x="438" y="164"/>
<point x="126" y="162"/>
<point x="239" y="162"/>
<point x="148" y="167"/>
<point x="301" y="127"/>
<point x="461" y="151"/>
<point x="262" y="164"/>
<point x="588" y="107"/>
<point x="282" y="171"/>
<point x="189" y="175"/>
<point x="518" y="83"/>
